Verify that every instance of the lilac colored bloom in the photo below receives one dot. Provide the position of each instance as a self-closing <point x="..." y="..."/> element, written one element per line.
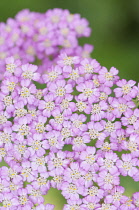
<point x="89" y="67"/>
<point x="108" y="162"/>
<point x="88" y="158"/>
<point x="9" y="201"/>
<point x="98" y="111"/>
<point x="71" y="191"/>
<point x="107" y="180"/>
<point x="29" y="72"/>
<point x="26" y="92"/>
<point x="78" y="122"/>
<point x="127" y="203"/>
<point x="108" y="78"/>
<point x="60" y="89"/>
<point x="57" y="162"/>
<point x="126" y="89"/>
<point x="116" y="196"/>
<point x="88" y="92"/>
<point x="121" y="106"/>
<point x="93" y="191"/>
<point x="127" y="165"/>
<point x="131" y="117"/>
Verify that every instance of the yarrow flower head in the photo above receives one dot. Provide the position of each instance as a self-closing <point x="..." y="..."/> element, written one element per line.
<point x="64" y="122"/>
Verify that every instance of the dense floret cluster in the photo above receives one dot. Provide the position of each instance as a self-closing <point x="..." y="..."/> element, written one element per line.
<point x="34" y="36"/>
<point x="77" y="131"/>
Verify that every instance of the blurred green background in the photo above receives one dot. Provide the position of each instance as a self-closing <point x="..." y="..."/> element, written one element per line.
<point x="115" y="36"/>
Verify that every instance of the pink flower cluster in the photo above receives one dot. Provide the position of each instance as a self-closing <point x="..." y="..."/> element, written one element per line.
<point x="77" y="131"/>
<point x="32" y="36"/>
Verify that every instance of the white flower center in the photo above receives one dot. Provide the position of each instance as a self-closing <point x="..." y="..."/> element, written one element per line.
<point x="74" y="75"/>
<point x="93" y="191"/>
<point x="27" y="74"/>
<point x="77" y="123"/>
<point x="65" y="104"/>
<point x="26" y="172"/>
<point x="11" y="67"/>
<point x="36" y="193"/>
<point x="12" y="186"/>
<point x="122" y="107"/>
<point x="93" y="133"/>
<point x="36" y="145"/>
<point x="21" y="112"/>
<point x="132" y="119"/>
<point x="60" y="91"/>
<point x="11" y="86"/>
<point x="132" y="146"/>
<point x="40" y="161"/>
<point x="90" y="206"/>
<point x="127" y="165"/>
<point x="7" y="100"/>
<point x="88" y="92"/>
<point x="57" y="179"/>
<point x="52" y="141"/>
<point x="68" y="61"/>
<point x="3" y="119"/>
<point x="75" y="174"/>
<point x="24" y="130"/>
<point x="117" y="196"/>
<point x="106" y="146"/>
<point x="40" y="128"/>
<point x="108" y="76"/>
<point x="52" y="75"/>
<point x="58" y="162"/>
<point x="103" y="96"/>
<point x="66" y="132"/>
<point x="25" y="93"/>
<point x="2" y="152"/>
<point x="72" y="189"/>
<point x="12" y="173"/>
<point x="81" y="106"/>
<point x="5" y="138"/>
<point x="108" y="179"/>
<point x="59" y="119"/>
<point x="41" y="181"/>
<point x="78" y="141"/>
<point x="55" y="18"/>
<point x="126" y="89"/>
<point x="88" y="68"/>
<point x="106" y="206"/>
<point x="49" y="105"/>
<point x="96" y="82"/>
<point x="23" y="200"/>
<point x="108" y="163"/>
<point x="96" y="109"/>
<point x="90" y="159"/>
<point x="21" y="148"/>
<point x="7" y="203"/>
<point x="32" y="112"/>
<point x="110" y="126"/>
<point x="39" y="94"/>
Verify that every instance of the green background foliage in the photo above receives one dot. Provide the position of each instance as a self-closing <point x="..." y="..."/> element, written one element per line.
<point x="115" y="36"/>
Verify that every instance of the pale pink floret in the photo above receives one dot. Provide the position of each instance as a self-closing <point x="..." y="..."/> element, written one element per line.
<point x="127" y="166"/>
<point x="126" y="89"/>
